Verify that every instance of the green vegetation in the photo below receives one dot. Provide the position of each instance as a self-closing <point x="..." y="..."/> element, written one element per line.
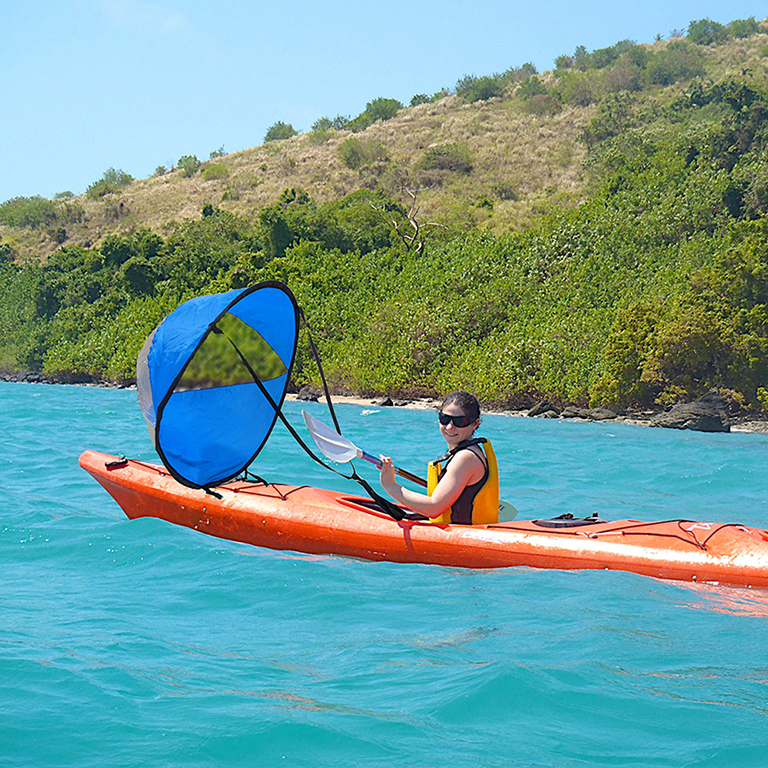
<point x="356" y="153"/>
<point x="215" y="171"/>
<point x="472" y="89"/>
<point x="447" y="157"/>
<point x="38" y="213"/>
<point x="651" y="288"/>
<point x="188" y="165"/>
<point x="378" y="109"/>
<point x="111" y="182"/>
<point x="280" y="131"/>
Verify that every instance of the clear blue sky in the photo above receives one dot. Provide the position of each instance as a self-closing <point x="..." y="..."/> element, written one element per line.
<point x="133" y="84"/>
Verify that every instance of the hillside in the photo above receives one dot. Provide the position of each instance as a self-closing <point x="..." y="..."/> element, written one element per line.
<point x="520" y="162"/>
<point x="602" y="237"/>
<point x="507" y="159"/>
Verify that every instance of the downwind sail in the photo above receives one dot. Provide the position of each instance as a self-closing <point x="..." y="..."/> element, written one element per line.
<point x="212" y="377"/>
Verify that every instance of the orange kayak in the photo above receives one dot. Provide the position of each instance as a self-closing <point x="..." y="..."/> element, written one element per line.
<point x="317" y="521"/>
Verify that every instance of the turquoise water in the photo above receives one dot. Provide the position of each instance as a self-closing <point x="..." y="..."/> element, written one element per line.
<point x="126" y="643"/>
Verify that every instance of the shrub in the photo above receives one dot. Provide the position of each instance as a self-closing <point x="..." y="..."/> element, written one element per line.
<point x="743" y="27"/>
<point x="323" y="127"/>
<point x="474" y="89"/>
<point x="624" y="76"/>
<point x="420" y="98"/>
<point x="624" y="358"/>
<point x="383" y="109"/>
<point x="518" y="74"/>
<point x="161" y="170"/>
<point x="531" y="87"/>
<point x="542" y="105"/>
<point x="111" y="182"/>
<point x="448" y="157"/>
<point x="280" y="131"/>
<point x="612" y="119"/>
<point x="707" y="32"/>
<point x="378" y="109"/>
<point x="188" y="164"/>
<point x="678" y="61"/>
<point x="66" y="194"/>
<point x="600" y="58"/>
<point x="689" y="353"/>
<point x="215" y="171"/>
<point x="28" y="212"/>
<point x="217" y="153"/>
<point x="504" y="191"/>
<point x="356" y="153"/>
<point x="577" y="89"/>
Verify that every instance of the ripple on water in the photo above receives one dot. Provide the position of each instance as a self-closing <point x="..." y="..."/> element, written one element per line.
<point x="124" y="641"/>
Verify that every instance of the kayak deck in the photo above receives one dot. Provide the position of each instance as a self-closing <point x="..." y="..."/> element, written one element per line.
<point x="318" y="521"/>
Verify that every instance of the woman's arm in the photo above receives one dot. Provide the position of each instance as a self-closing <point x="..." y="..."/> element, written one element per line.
<point x="465" y="469"/>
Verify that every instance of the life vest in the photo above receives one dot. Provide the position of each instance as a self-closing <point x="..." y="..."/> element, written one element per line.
<point x="485" y="506"/>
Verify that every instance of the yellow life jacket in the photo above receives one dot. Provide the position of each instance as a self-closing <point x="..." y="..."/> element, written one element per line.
<point x="485" y="508"/>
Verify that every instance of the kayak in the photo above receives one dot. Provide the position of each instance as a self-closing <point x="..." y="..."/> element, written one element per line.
<point x="318" y="521"/>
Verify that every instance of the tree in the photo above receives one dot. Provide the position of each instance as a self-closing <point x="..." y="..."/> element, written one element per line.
<point x="382" y="109"/>
<point x="706" y="32"/>
<point x="378" y="109"/>
<point x="188" y="164"/>
<point x="112" y="181"/>
<point x="393" y="216"/>
<point x="743" y="27"/>
<point x="280" y="131"/>
<point x="475" y="89"/>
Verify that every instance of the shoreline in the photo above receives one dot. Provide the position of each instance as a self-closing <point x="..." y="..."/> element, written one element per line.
<point x="738" y="423"/>
<point x="743" y="423"/>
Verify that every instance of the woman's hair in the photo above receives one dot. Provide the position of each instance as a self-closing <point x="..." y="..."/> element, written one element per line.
<point x="468" y="403"/>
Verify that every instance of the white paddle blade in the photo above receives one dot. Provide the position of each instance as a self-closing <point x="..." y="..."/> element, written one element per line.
<point x="507" y="511"/>
<point x="329" y="442"/>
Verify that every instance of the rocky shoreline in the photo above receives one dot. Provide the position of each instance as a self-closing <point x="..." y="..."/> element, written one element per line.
<point x="710" y="413"/>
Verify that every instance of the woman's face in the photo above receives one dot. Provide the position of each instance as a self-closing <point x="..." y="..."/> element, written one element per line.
<point x="452" y="433"/>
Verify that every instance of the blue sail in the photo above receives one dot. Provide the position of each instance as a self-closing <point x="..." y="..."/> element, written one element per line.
<point x="211" y="376"/>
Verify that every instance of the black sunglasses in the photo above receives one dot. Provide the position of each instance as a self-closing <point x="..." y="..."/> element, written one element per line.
<point x="458" y="421"/>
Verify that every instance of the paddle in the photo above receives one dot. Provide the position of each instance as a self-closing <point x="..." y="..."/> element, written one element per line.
<point x="337" y="448"/>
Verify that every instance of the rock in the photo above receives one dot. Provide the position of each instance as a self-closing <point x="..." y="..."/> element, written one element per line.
<point x="308" y="394"/>
<point x="548" y="415"/>
<point x="601" y="414"/>
<point x="543" y="407"/>
<point x="385" y="403"/>
<point x="574" y="412"/>
<point x="707" y="414"/>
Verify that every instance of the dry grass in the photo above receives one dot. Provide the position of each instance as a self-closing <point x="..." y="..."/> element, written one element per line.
<point x="522" y="166"/>
<point x="539" y="158"/>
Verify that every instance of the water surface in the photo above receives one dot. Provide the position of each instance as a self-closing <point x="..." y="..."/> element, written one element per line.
<point x="125" y="643"/>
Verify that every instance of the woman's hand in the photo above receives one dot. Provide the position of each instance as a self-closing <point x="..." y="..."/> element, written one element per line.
<point x="387" y="474"/>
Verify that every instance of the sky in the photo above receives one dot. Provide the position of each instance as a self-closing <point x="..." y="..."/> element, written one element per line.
<point x="89" y="85"/>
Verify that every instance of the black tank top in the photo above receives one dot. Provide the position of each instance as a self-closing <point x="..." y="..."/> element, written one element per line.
<point x="461" y="510"/>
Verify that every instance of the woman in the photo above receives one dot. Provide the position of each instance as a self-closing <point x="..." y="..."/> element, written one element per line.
<point x="466" y="489"/>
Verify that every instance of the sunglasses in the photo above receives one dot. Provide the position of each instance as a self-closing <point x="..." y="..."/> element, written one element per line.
<point x="458" y="421"/>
